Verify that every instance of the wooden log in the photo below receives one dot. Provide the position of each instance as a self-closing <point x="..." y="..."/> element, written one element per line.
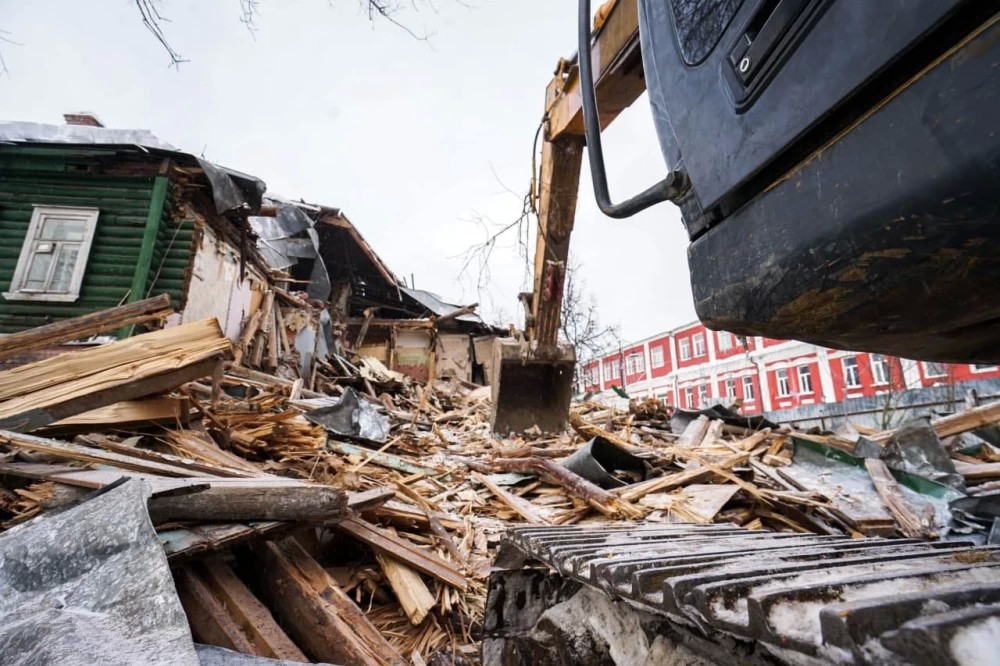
<point x="575" y="485"/>
<point x="914" y="523"/>
<point x="89" y="325"/>
<point x="251" y="615"/>
<point x="253" y="500"/>
<point x="323" y="620"/>
<point x="405" y="551"/>
<point x="409" y="588"/>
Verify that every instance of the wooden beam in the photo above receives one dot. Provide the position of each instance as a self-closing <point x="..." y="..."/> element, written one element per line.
<point x="419" y="558"/>
<point x="210" y="623"/>
<point x="618" y="75"/>
<point x="323" y="620"/>
<point x="86" y="326"/>
<point x="251" y="615"/>
<point x="144" y="263"/>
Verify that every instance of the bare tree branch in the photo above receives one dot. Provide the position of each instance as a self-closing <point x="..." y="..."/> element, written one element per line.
<point x="387" y="10"/>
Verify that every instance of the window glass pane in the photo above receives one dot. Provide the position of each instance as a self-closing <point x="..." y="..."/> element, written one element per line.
<point x="63" y="228"/>
<point x="63" y="274"/>
<point x="38" y="271"/>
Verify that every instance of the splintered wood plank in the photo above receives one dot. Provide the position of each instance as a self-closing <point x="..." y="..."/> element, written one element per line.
<point x="43" y="408"/>
<point x="162" y="409"/>
<point x="33" y="385"/>
<point x="416" y="600"/>
<point x="108" y="444"/>
<point x="913" y="522"/>
<point x="250" y="614"/>
<point x="68" y="451"/>
<point x="183" y="543"/>
<point x="86" y="326"/>
<point x="416" y="557"/>
<point x="323" y="620"/>
<point x="209" y="620"/>
<point x="521" y="506"/>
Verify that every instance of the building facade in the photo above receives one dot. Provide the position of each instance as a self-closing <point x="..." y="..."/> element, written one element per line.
<point x="693" y="367"/>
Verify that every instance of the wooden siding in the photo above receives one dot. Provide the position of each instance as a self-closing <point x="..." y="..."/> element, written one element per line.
<point x="32" y="176"/>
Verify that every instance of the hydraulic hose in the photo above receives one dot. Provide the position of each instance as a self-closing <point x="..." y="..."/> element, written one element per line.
<point x="667" y="189"/>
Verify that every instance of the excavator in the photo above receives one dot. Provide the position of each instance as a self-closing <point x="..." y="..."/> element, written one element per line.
<point x="836" y="164"/>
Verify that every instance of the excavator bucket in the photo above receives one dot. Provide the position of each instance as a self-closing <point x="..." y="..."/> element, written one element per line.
<point x="530" y="389"/>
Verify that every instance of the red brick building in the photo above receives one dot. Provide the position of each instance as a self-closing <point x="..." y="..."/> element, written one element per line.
<point x="692" y="366"/>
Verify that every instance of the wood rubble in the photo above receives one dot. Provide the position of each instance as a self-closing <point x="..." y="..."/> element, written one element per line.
<point x="291" y="542"/>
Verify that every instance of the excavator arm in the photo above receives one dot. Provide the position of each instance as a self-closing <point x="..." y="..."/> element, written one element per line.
<point x="532" y="379"/>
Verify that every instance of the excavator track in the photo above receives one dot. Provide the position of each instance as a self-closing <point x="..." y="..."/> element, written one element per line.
<point x="757" y="596"/>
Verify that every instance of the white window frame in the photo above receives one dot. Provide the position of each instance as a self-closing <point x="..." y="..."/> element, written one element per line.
<point x="983" y="367"/>
<point x="730" y="389"/>
<point x="781" y="380"/>
<point x="689" y="398"/>
<point x="805" y="373"/>
<point x="698" y="344"/>
<point x="848" y="374"/>
<point x="748" y="391"/>
<point x="725" y="341"/>
<point x="930" y="375"/>
<point x="704" y="394"/>
<point x="656" y="356"/>
<point x="685" y="345"/>
<point x="881" y="370"/>
<point x="38" y="217"/>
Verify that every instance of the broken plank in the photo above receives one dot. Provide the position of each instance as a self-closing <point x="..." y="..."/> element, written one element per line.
<point x="68" y="451"/>
<point x="913" y="522"/>
<point x="419" y="558"/>
<point x="252" y="616"/>
<point x="86" y="326"/>
<point x="382" y="459"/>
<point x="183" y="543"/>
<point x="369" y="499"/>
<point x="520" y="506"/>
<point x="108" y="444"/>
<point x="164" y="410"/>
<point x="409" y="588"/>
<point x="78" y="397"/>
<point x="323" y="620"/>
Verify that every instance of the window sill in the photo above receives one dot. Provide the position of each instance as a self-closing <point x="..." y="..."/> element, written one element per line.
<point x="51" y="298"/>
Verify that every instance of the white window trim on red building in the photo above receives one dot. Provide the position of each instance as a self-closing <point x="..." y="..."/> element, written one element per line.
<point x="759" y="362"/>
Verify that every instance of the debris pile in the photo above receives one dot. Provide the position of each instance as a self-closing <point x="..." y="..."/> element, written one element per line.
<point x="338" y="511"/>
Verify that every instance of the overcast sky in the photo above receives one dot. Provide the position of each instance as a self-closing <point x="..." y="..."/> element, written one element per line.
<point x="413" y="140"/>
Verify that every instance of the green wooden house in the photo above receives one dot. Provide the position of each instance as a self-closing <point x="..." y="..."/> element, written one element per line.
<point x="92" y="217"/>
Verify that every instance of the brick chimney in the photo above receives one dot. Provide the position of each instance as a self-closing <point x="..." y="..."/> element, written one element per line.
<point x="88" y="118"/>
